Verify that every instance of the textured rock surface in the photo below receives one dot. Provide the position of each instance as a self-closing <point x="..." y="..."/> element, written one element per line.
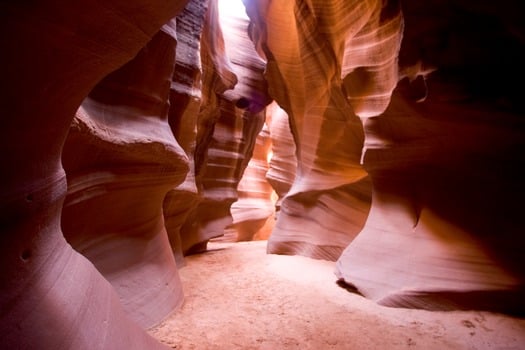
<point x="121" y="159"/>
<point x="185" y="103"/>
<point x="253" y="212"/>
<point x="283" y="163"/>
<point x="446" y="159"/>
<point x="444" y="154"/>
<point x="228" y="124"/>
<point x="217" y="77"/>
<point x="53" y="54"/>
<point x="443" y="157"/>
<point x="316" y="51"/>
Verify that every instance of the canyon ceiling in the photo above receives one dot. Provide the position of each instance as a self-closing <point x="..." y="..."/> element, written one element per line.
<point x="387" y="136"/>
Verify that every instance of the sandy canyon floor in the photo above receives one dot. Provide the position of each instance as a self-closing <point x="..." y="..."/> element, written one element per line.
<point x="239" y="297"/>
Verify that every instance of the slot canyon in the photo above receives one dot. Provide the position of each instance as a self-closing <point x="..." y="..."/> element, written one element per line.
<point x="262" y="174"/>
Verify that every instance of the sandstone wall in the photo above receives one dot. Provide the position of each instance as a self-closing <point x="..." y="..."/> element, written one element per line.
<point x="228" y="123"/>
<point x="444" y="231"/>
<point x="121" y="159"/>
<point x="55" y="53"/>
<point x="313" y="50"/>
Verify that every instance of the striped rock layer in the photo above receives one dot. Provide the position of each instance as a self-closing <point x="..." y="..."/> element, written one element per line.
<point x="232" y="114"/>
<point x="316" y="52"/>
<point x="252" y="214"/>
<point x="121" y="159"/>
<point x="52" y="296"/>
<point x="445" y="229"/>
<point x="283" y="162"/>
<point x="416" y="91"/>
<point x="185" y="103"/>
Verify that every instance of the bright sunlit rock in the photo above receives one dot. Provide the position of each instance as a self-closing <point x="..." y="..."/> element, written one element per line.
<point x="232" y="8"/>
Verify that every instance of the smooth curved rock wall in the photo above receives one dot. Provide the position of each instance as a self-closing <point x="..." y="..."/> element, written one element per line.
<point x="228" y="125"/>
<point x="185" y="104"/>
<point x="121" y="159"/>
<point x="444" y="231"/>
<point x="309" y="46"/>
<point x="253" y="212"/>
<point x="56" y="52"/>
<point x="283" y="163"/>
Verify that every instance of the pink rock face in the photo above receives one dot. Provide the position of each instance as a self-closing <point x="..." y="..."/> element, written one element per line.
<point x="309" y="48"/>
<point x="217" y="76"/>
<point x="445" y="230"/>
<point x="253" y="212"/>
<point x="55" y="53"/>
<point x="228" y="124"/>
<point x="185" y="102"/>
<point x="121" y="159"/>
